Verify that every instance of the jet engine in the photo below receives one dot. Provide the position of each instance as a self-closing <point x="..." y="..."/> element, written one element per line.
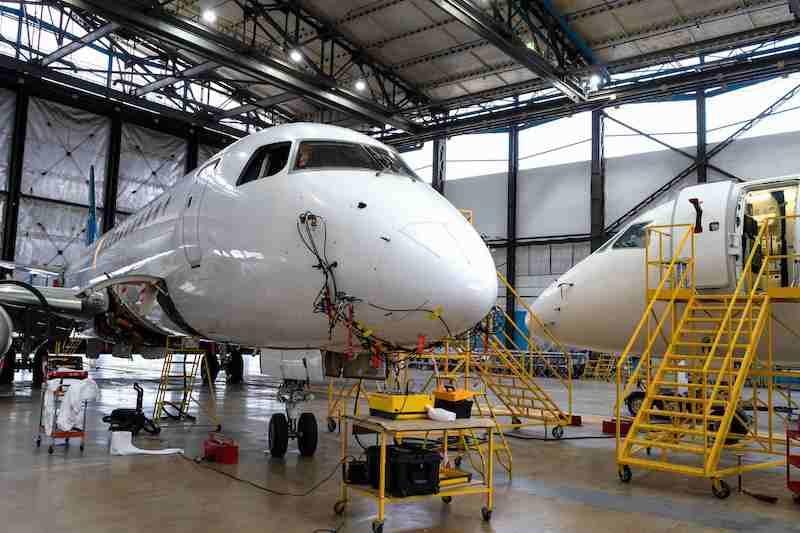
<point x="6" y="332"/>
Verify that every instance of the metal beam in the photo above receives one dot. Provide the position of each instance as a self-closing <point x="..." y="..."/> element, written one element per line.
<point x="165" y="82"/>
<point x="702" y="160"/>
<point x="439" y="164"/>
<point x="264" y="103"/>
<point x="74" y="46"/>
<point x="214" y="46"/>
<point x="479" y="22"/>
<point x="16" y="159"/>
<point x="112" y="173"/>
<point x="597" y="182"/>
<point x="511" y="224"/>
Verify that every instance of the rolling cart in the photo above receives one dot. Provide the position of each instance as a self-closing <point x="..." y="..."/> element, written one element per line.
<point x="58" y="396"/>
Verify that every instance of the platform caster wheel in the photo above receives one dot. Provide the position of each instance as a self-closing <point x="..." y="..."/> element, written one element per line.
<point x="447" y="499"/>
<point x="66" y="443"/>
<point x="278" y="435"/>
<point x="558" y="432"/>
<point x="331" y="425"/>
<point x="307" y="434"/>
<point x="339" y="507"/>
<point x="50" y="450"/>
<point x="625" y="474"/>
<point x="720" y="489"/>
<point x="377" y="527"/>
<point x="82" y="447"/>
<point x="486" y="514"/>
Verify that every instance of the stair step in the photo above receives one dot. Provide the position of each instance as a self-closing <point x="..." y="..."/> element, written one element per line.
<point x="680" y="414"/>
<point x="668" y="445"/>
<point x="676" y="429"/>
<point x="711" y="332"/>
<point x="685" y="399"/>
<point x="689" y="370"/>
<point x="688" y="385"/>
<point x="710" y="344"/>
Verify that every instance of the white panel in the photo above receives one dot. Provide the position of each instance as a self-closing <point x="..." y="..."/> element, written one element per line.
<point x="421" y="161"/>
<point x="8" y="102"/>
<point x="769" y="156"/>
<point x="206" y="152"/>
<point x="561" y="258"/>
<point x="476" y="155"/>
<point x="632" y="178"/>
<point x="539" y="260"/>
<point x="553" y="200"/>
<point x="61" y="145"/>
<point x="50" y="234"/>
<point x="486" y="197"/>
<point x="523" y="261"/>
<point x="150" y="163"/>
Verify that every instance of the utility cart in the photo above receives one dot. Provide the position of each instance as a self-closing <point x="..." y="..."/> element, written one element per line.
<point x="395" y="430"/>
<point x="58" y="396"/>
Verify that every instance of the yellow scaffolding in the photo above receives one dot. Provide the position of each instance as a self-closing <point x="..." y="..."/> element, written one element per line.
<point x="697" y="353"/>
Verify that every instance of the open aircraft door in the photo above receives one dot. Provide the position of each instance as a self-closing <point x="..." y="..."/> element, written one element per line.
<point x="710" y="207"/>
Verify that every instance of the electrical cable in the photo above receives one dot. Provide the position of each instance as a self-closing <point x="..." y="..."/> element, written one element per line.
<point x="199" y="463"/>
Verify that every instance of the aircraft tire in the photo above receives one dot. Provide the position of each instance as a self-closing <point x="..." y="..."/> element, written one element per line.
<point x="278" y="435"/>
<point x="7" y="367"/>
<point x="307" y="434"/>
<point x="235" y="367"/>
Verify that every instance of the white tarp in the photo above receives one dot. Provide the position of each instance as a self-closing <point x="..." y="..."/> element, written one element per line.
<point x="61" y="145"/>
<point x="8" y="102"/>
<point x="70" y="412"/>
<point x="150" y="163"/>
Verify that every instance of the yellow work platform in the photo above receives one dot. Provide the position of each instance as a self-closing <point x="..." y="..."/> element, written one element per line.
<point x="387" y="429"/>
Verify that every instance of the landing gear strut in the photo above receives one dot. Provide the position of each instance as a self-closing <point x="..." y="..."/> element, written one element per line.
<point x="293" y="424"/>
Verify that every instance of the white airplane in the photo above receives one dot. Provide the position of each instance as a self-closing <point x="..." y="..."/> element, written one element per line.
<point x="281" y="240"/>
<point x="598" y="303"/>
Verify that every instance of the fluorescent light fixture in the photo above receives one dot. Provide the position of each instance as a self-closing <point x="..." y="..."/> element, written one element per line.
<point x="209" y="16"/>
<point x="295" y="56"/>
<point x="594" y="81"/>
<point x="360" y="85"/>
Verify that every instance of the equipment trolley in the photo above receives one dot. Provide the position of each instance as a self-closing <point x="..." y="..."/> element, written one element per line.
<point x="395" y="429"/>
<point x="58" y="396"/>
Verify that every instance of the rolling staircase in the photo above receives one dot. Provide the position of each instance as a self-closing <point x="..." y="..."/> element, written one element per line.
<point x="692" y="410"/>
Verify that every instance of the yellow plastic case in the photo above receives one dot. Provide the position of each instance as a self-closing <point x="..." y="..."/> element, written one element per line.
<point x="398" y="406"/>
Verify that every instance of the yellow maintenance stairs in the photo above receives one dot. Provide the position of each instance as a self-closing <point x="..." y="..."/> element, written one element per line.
<point x="703" y="407"/>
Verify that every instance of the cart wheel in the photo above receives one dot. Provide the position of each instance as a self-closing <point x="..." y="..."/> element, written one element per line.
<point x="339" y="507"/>
<point x="278" y="435"/>
<point x="720" y="489"/>
<point x="625" y="474"/>
<point x="50" y="449"/>
<point x="457" y="461"/>
<point x="38" y="442"/>
<point x="486" y="514"/>
<point x="447" y="499"/>
<point x="558" y="432"/>
<point x="377" y="527"/>
<point x="331" y="424"/>
<point x="307" y="434"/>
<point x="82" y="447"/>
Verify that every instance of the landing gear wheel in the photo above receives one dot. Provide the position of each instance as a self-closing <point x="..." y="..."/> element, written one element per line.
<point x="720" y="489"/>
<point x="377" y="527"/>
<point x="558" y="432"/>
<point x="331" y="424"/>
<point x="486" y="514"/>
<point x="447" y="499"/>
<point x="278" y="435"/>
<point x="625" y="474"/>
<point x="307" y="434"/>
<point x="339" y="507"/>
<point x="235" y="367"/>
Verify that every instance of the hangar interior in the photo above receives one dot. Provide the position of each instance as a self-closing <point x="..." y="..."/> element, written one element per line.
<point x="554" y="123"/>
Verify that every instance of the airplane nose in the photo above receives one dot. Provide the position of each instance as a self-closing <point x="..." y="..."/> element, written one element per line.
<point x="546" y="307"/>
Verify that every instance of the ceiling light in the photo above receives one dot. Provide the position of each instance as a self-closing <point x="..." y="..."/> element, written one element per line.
<point x="594" y="82"/>
<point x="295" y="56"/>
<point x="209" y="16"/>
<point x="360" y="85"/>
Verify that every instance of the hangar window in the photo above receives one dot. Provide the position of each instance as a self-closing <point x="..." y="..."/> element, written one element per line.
<point x="634" y="236"/>
<point x="266" y="161"/>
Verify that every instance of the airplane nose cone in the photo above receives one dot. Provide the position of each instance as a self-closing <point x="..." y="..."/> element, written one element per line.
<point x="546" y="307"/>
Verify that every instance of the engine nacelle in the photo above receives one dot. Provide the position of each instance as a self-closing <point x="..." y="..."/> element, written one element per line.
<point x="6" y="332"/>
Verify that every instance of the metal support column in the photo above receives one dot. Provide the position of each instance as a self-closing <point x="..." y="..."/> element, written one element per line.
<point x="11" y="211"/>
<point x="192" y="151"/>
<point x="439" y="163"/>
<point x="511" y="226"/>
<point x="597" y="183"/>
<point x="112" y="173"/>
<point x="702" y="159"/>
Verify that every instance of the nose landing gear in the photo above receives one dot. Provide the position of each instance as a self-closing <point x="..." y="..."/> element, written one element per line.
<point x="293" y="424"/>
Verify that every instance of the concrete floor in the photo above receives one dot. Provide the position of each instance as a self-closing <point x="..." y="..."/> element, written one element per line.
<point x="569" y="485"/>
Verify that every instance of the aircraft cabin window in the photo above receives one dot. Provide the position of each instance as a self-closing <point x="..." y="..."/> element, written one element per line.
<point x="634" y="236"/>
<point x="335" y="154"/>
<point x="266" y="161"/>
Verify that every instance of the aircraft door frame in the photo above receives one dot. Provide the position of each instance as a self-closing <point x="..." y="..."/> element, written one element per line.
<point x="190" y="217"/>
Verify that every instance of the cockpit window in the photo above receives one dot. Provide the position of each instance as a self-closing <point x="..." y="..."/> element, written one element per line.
<point x="634" y="236"/>
<point x="266" y="161"/>
<point x="335" y="154"/>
